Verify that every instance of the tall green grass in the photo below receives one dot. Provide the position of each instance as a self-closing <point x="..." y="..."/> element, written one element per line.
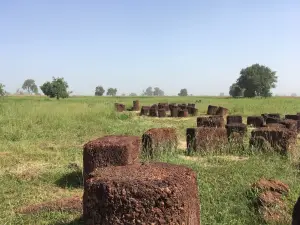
<point x="41" y="137"/>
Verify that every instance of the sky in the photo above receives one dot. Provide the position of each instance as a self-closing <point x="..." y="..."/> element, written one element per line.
<point x="133" y="44"/>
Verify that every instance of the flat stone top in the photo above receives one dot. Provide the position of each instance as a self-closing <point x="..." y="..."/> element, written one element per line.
<point x="142" y="172"/>
<point x="112" y="140"/>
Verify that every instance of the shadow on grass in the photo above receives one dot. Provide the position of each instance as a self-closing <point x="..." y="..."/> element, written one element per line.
<point x="71" y="180"/>
<point x="78" y="221"/>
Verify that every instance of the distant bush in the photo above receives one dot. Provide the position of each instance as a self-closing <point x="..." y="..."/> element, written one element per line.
<point x="58" y="88"/>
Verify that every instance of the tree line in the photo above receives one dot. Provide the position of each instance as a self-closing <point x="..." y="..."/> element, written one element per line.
<point x="254" y="81"/>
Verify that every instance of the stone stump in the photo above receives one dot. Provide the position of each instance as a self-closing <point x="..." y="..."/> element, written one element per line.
<point x="114" y="150"/>
<point x="150" y="193"/>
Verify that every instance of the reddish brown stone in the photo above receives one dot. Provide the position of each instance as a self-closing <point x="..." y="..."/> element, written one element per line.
<point x="145" y="110"/>
<point x="292" y="117"/>
<point x="164" y="106"/>
<point x="172" y="105"/>
<point x="174" y="111"/>
<point x="222" y="111"/>
<point x="205" y="138"/>
<point x="296" y="213"/>
<point x="119" y="107"/>
<point x="290" y="124"/>
<point x="275" y="125"/>
<point x="255" y="121"/>
<point x="162" y="113"/>
<point x="182" y="106"/>
<point x="283" y="140"/>
<point x="212" y="121"/>
<point x="136" y="105"/>
<point x="234" y="119"/>
<point x="114" y="150"/>
<point x="212" y="110"/>
<point x="260" y="143"/>
<point x="234" y="129"/>
<point x="272" y="120"/>
<point x="194" y="111"/>
<point x="151" y="193"/>
<point x="183" y="113"/>
<point x="296" y="118"/>
<point x="157" y="140"/>
<point x="153" y="111"/>
<point x="274" y="115"/>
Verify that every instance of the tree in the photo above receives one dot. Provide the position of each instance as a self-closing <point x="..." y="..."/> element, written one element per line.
<point x="183" y="92"/>
<point x="111" y="92"/>
<point x="99" y="91"/>
<point x="158" y="92"/>
<point x="133" y="94"/>
<point x="148" y="92"/>
<point x="58" y="88"/>
<point x="236" y="91"/>
<point x="257" y="80"/>
<point x="2" y="90"/>
<point x="30" y="86"/>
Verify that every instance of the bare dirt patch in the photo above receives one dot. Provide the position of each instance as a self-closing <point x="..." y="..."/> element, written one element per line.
<point x="71" y="204"/>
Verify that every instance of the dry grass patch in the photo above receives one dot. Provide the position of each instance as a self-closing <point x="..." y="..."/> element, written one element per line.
<point x="70" y="204"/>
<point x="27" y="170"/>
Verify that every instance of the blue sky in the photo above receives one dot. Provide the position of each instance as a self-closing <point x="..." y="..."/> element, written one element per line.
<point x="130" y="45"/>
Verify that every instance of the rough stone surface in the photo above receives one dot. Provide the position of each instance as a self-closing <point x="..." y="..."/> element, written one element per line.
<point x="162" y="113"/>
<point x="114" y="150"/>
<point x="274" y="115"/>
<point x="172" y="105"/>
<point x="192" y="111"/>
<point x="174" y="111"/>
<point x="157" y="140"/>
<point x="183" y="113"/>
<point x="153" y="111"/>
<point x="296" y="213"/>
<point x="234" y="119"/>
<point x="260" y="143"/>
<point x="212" y="121"/>
<point x="212" y="110"/>
<point x="255" y="121"/>
<point x="290" y="124"/>
<point x="275" y="125"/>
<point x="282" y="140"/>
<point x="136" y="105"/>
<point x="182" y="106"/>
<point x="272" y="120"/>
<point x="152" y="193"/>
<point x="145" y="110"/>
<point x="296" y="118"/>
<point x="164" y="106"/>
<point x="222" y="111"/>
<point x="205" y="138"/>
<point x="236" y="131"/>
<point x="292" y="117"/>
<point x="120" y="107"/>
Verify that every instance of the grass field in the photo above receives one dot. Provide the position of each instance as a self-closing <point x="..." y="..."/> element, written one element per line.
<point x="39" y="138"/>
